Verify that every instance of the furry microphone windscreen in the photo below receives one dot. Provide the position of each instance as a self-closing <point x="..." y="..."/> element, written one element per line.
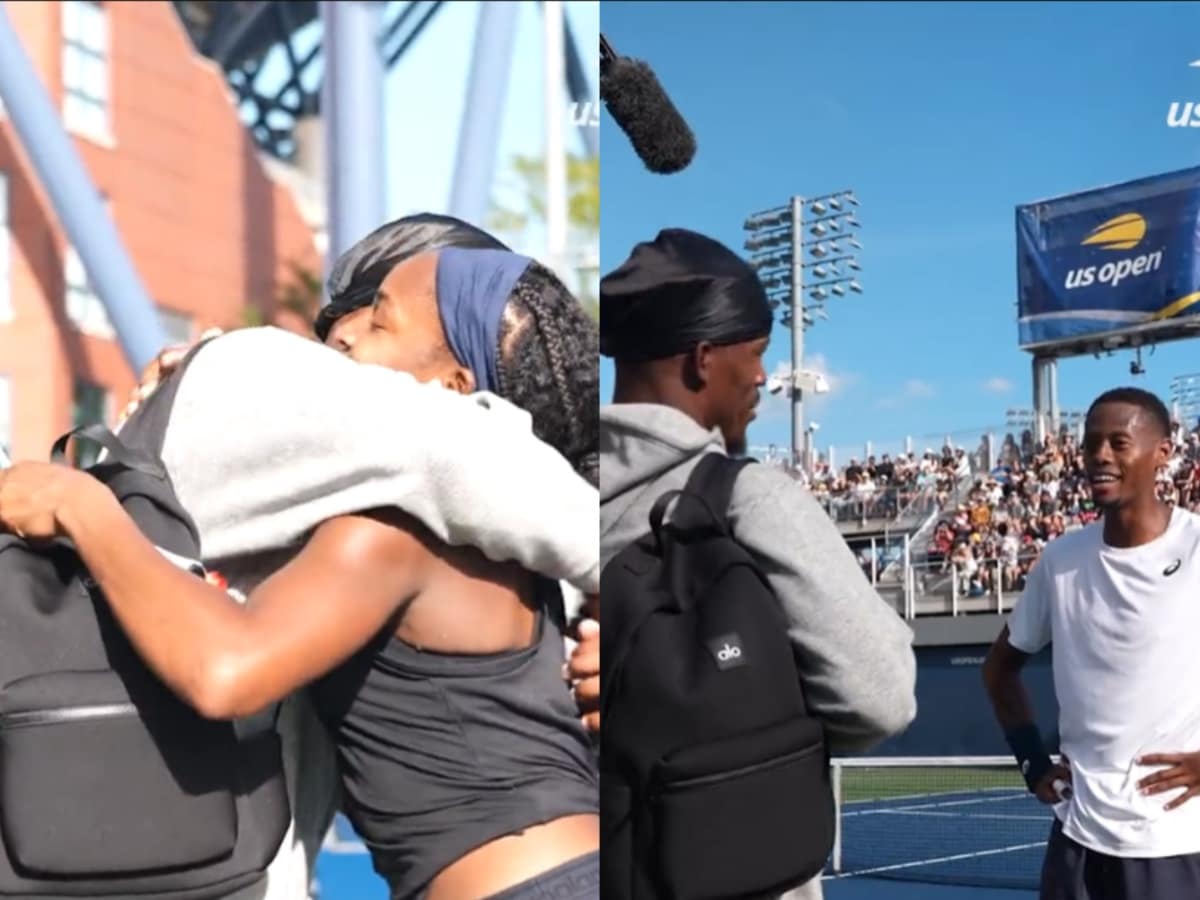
<point x="638" y="103"/>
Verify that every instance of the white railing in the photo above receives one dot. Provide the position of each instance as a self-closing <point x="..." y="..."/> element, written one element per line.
<point x="890" y="503"/>
<point x="926" y="588"/>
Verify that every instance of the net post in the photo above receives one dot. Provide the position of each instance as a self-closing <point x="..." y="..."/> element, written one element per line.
<point x="836" y="773"/>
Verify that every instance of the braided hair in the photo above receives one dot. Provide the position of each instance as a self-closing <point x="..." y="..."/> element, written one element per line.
<point x="547" y="364"/>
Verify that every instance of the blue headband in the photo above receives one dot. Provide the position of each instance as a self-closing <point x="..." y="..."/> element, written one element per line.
<point x="473" y="287"/>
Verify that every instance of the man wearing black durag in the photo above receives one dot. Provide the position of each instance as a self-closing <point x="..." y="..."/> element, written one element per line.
<point x="687" y="323"/>
<point x="686" y="301"/>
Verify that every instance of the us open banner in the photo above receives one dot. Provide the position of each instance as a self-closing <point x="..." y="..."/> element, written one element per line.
<point x="1115" y="261"/>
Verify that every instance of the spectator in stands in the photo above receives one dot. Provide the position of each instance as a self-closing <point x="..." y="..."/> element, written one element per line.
<point x="853" y="473"/>
<point x="887" y="469"/>
<point x="1009" y="553"/>
<point x="943" y="543"/>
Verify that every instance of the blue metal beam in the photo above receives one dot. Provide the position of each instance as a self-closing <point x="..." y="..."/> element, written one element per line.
<point x="581" y="88"/>
<point x="353" y="110"/>
<point x="77" y="203"/>
<point x="479" y="135"/>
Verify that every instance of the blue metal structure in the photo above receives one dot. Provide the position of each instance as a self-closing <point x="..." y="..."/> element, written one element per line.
<point x="479" y="131"/>
<point x="353" y="94"/>
<point x="77" y="202"/>
<point x="239" y="34"/>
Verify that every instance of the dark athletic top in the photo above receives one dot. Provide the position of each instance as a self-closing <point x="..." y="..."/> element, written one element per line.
<point x="440" y="754"/>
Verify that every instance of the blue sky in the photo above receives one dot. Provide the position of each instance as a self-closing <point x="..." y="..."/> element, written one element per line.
<point x="425" y="96"/>
<point x="943" y="118"/>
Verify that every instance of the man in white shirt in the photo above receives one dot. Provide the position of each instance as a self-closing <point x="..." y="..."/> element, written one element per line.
<point x="1119" y="601"/>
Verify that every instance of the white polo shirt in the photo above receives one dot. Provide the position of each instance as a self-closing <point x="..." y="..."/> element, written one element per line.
<point x="1125" y="624"/>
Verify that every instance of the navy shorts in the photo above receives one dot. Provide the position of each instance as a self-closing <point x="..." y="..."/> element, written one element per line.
<point x="1073" y="872"/>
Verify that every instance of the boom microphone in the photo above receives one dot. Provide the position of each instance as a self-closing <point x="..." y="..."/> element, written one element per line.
<point x="637" y="102"/>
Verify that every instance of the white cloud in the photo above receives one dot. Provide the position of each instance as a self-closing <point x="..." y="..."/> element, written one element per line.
<point x="913" y="389"/>
<point x="916" y="389"/>
<point x="998" y="385"/>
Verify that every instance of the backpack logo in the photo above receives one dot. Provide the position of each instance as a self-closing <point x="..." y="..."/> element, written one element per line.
<point x="727" y="650"/>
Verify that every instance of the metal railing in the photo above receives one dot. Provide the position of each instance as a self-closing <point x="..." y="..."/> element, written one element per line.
<point x="862" y="507"/>
<point x="944" y="587"/>
<point x="922" y="504"/>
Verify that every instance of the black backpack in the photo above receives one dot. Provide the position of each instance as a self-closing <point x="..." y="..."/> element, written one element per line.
<point x="714" y="779"/>
<point x="111" y="786"/>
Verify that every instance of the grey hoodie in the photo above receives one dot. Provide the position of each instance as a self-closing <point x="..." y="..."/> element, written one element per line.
<point x="858" y="667"/>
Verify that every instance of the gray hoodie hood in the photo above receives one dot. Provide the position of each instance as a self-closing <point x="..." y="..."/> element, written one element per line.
<point x="643" y="441"/>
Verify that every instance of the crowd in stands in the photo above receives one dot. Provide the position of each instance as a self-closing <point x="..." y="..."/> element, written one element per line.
<point x="994" y="523"/>
<point x="880" y="488"/>
<point x="1035" y="494"/>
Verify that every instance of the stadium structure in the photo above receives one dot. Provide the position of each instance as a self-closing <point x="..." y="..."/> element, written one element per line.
<point x="169" y="167"/>
<point x="1100" y="271"/>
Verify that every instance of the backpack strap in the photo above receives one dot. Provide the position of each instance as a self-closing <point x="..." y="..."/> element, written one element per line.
<point x="147" y="427"/>
<point x="711" y="485"/>
<point x="123" y="455"/>
<point x="118" y="452"/>
<point x="713" y="478"/>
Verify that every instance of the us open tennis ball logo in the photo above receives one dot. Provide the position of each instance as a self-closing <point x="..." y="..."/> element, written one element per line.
<point x="1123" y="232"/>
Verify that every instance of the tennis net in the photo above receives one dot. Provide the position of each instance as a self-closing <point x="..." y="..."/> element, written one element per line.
<point x="941" y="820"/>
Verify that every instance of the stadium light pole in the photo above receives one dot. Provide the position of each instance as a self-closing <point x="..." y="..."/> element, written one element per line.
<point x="778" y="243"/>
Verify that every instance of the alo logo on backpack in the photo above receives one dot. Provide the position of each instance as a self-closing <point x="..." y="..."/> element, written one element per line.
<point x="727" y="650"/>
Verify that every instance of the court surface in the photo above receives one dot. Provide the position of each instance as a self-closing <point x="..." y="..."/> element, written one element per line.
<point x="975" y="835"/>
<point x="938" y="832"/>
<point x="871" y="889"/>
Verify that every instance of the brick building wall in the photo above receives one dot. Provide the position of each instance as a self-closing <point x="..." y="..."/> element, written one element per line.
<point x="209" y="231"/>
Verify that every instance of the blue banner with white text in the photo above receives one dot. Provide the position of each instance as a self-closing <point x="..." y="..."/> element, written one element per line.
<point x="1119" y="260"/>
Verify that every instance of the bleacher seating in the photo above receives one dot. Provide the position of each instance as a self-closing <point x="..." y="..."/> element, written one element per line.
<point x="984" y="528"/>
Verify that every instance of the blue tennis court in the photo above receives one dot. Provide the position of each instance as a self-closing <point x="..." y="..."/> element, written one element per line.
<point x="968" y="826"/>
<point x="872" y="889"/>
<point x="344" y="869"/>
<point x="927" y="841"/>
